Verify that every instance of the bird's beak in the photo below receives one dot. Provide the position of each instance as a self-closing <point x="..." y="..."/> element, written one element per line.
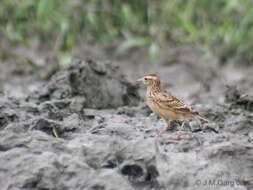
<point x="139" y="80"/>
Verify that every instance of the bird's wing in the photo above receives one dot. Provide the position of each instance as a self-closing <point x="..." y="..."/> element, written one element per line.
<point x="167" y="101"/>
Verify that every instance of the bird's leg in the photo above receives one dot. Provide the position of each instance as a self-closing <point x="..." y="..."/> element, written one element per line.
<point x="165" y="129"/>
<point x="179" y="132"/>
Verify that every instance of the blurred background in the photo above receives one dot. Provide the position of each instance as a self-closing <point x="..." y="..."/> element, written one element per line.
<point x="49" y="33"/>
<point x="221" y="28"/>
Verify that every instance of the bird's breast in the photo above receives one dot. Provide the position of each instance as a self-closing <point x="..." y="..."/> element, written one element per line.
<point x="156" y="108"/>
<point x="153" y="105"/>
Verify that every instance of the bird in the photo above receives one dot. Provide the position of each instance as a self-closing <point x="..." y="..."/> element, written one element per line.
<point x="166" y="105"/>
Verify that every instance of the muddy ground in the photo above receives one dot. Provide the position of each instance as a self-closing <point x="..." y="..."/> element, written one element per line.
<point x="86" y="125"/>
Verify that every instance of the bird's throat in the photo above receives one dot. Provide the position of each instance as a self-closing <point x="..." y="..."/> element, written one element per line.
<point x="154" y="89"/>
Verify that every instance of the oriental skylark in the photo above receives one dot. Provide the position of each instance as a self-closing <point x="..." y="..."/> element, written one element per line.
<point x="166" y="105"/>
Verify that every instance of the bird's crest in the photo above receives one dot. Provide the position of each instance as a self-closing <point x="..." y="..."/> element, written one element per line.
<point x="153" y="76"/>
<point x="156" y="74"/>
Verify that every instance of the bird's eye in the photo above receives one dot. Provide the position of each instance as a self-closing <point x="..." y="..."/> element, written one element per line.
<point x="145" y="79"/>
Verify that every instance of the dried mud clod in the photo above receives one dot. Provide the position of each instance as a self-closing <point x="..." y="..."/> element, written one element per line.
<point x="100" y="83"/>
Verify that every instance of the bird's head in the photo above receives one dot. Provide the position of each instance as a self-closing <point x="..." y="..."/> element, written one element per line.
<point x="150" y="79"/>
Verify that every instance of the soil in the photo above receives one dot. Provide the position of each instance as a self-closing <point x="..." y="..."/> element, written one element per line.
<point x="86" y="125"/>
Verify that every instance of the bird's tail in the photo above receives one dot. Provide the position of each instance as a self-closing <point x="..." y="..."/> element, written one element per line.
<point x="201" y="117"/>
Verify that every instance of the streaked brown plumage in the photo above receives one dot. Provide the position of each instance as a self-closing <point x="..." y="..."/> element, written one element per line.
<point x="165" y="104"/>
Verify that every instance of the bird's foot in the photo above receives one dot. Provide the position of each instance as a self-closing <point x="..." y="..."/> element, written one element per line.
<point x="162" y="131"/>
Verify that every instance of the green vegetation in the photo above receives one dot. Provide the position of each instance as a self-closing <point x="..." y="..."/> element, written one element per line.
<point x="55" y="133"/>
<point x="222" y="26"/>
